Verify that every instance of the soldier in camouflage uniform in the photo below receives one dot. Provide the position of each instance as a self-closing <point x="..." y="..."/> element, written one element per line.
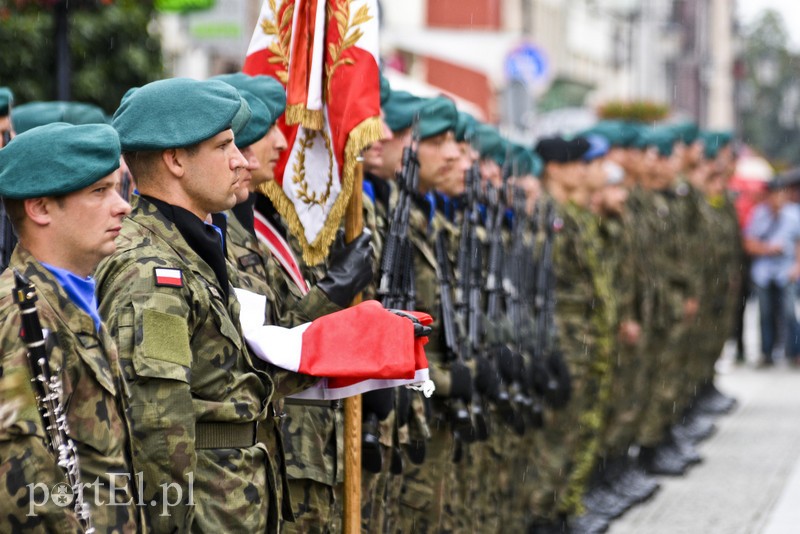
<point x="7" y="238"/>
<point x="197" y="397"/>
<point x="67" y="213"/>
<point x="568" y="443"/>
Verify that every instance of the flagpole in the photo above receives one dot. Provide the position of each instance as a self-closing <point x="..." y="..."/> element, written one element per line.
<point x="353" y="225"/>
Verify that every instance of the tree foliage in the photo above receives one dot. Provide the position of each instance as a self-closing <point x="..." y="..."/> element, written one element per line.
<point x="111" y="49"/>
<point x="769" y="107"/>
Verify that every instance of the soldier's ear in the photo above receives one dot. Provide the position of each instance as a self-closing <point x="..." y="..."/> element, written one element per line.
<point x="175" y="161"/>
<point x="38" y="210"/>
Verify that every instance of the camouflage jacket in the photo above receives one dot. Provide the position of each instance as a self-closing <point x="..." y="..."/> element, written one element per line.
<point x="196" y="396"/>
<point x="95" y="398"/>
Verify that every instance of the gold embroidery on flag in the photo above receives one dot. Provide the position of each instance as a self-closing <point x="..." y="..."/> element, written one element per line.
<point x="299" y="168"/>
<point x="347" y="38"/>
<point x="283" y="31"/>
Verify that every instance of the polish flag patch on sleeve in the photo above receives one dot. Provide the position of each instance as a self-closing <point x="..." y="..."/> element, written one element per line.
<point x="168" y="277"/>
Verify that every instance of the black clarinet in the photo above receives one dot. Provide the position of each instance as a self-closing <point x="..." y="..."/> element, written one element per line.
<point x="48" y="390"/>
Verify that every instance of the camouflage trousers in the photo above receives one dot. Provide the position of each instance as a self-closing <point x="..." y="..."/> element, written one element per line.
<point x="429" y="489"/>
<point x="316" y="508"/>
<point x="565" y="450"/>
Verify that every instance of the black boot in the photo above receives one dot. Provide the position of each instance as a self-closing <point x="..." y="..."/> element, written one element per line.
<point x="662" y="460"/>
<point x="695" y="427"/>
<point x="684" y="446"/>
<point x="589" y="523"/>
<point x="635" y="483"/>
<point x="713" y="401"/>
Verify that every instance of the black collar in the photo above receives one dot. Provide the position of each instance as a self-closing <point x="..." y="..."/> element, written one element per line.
<point x="245" y="215"/>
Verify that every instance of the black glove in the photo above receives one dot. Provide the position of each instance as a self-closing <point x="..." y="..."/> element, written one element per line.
<point x="487" y="381"/>
<point x="379" y="402"/>
<point x="559" y="393"/>
<point x="460" y="382"/>
<point x="420" y="330"/>
<point x="349" y="270"/>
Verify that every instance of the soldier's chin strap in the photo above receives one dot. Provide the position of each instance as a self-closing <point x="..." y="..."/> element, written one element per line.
<point x="427" y="388"/>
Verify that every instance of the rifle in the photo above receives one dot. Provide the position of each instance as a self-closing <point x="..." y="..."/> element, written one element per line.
<point x="550" y="377"/>
<point x="459" y="415"/>
<point x="48" y="391"/>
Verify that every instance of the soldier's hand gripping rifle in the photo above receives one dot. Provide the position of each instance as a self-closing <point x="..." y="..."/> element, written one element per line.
<point x="551" y="380"/>
<point x="48" y="391"/>
<point x="396" y="291"/>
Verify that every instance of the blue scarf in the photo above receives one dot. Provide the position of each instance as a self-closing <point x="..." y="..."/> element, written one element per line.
<point x="79" y="290"/>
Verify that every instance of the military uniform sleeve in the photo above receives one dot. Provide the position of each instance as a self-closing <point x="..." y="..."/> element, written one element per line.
<point x="150" y="327"/>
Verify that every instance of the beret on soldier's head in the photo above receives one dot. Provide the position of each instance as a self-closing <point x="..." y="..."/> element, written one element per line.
<point x="598" y="147"/>
<point x="617" y="133"/>
<point x="386" y="89"/>
<point x="6" y="99"/>
<point x="266" y="88"/>
<point x="714" y="141"/>
<point x="661" y="138"/>
<point x="35" y="114"/>
<point x="559" y="150"/>
<point x="489" y="143"/>
<point x="399" y="110"/>
<point x="436" y="116"/>
<point x="465" y="126"/>
<point x="685" y="132"/>
<point x="178" y="112"/>
<point x="525" y="161"/>
<point x="257" y="126"/>
<point x="56" y="159"/>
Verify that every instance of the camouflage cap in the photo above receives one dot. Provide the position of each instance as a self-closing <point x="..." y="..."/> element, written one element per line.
<point x="6" y="99"/>
<point x="266" y="88"/>
<point x="178" y="112"/>
<point x="35" y="114"/>
<point x="57" y="158"/>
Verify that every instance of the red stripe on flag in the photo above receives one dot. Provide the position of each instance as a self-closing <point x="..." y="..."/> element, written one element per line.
<point x="280" y="249"/>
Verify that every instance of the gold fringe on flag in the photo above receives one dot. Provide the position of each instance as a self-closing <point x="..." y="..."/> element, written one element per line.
<point x="310" y="119"/>
<point x="368" y="131"/>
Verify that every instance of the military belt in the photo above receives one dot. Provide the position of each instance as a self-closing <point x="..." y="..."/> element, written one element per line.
<point x="333" y="405"/>
<point x="225" y="435"/>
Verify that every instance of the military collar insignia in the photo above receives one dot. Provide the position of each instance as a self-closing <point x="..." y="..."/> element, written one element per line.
<point x="249" y="260"/>
<point x="168" y="277"/>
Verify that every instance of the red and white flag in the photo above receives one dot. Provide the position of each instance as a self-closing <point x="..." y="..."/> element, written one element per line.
<point x="326" y="54"/>
<point x="358" y="349"/>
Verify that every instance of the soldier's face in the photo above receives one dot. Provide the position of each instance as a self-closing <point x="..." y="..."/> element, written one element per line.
<point x="86" y="223"/>
<point x="392" y="154"/>
<point x="614" y="198"/>
<point x="212" y="175"/>
<point x="268" y="150"/>
<point x="373" y="154"/>
<point x="246" y="175"/>
<point x="438" y="157"/>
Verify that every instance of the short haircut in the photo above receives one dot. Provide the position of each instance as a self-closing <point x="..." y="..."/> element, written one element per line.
<point x="142" y="163"/>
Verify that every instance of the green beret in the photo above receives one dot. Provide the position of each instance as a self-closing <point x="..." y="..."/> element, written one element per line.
<point x="258" y="126"/>
<point x="685" y="131"/>
<point x="56" y="159"/>
<point x="266" y="88"/>
<point x="489" y="143"/>
<point x="399" y="110"/>
<point x="714" y="141"/>
<point x="6" y="99"/>
<point x="617" y="133"/>
<point x="436" y="116"/>
<point x="386" y="89"/>
<point x="35" y="114"/>
<point x="525" y="161"/>
<point x="662" y="138"/>
<point x="465" y="126"/>
<point x="178" y="112"/>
